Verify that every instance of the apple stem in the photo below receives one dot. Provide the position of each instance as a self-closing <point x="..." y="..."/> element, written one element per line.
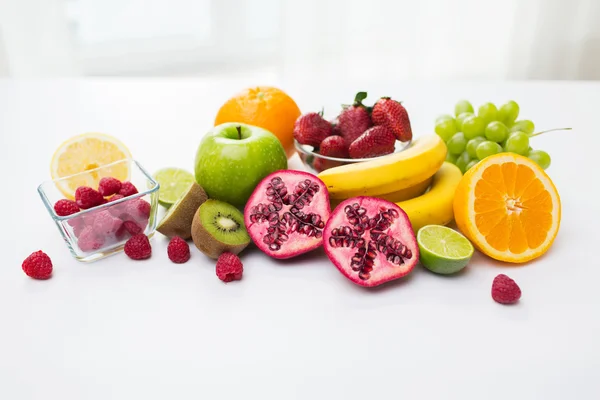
<point x="549" y="130"/>
<point x="239" y="129"/>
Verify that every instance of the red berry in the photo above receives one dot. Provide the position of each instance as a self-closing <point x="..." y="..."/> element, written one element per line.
<point x="229" y="267"/>
<point x="109" y="186"/>
<point x="105" y="224"/>
<point x="138" y="247"/>
<point x="138" y="209"/>
<point x="38" y="265"/>
<point x="115" y="198"/>
<point x="178" y="250"/>
<point x="376" y="141"/>
<point x="88" y="240"/>
<point x="132" y="227"/>
<point x="65" y="207"/>
<point x="354" y="120"/>
<point x="334" y="146"/>
<point x="391" y="114"/>
<point x="311" y="129"/>
<point x="127" y="189"/>
<point x="86" y="197"/>
<point x="505" y="290"/>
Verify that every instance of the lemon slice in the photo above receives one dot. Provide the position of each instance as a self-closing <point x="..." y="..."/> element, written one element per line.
<point x="87" y="152"/>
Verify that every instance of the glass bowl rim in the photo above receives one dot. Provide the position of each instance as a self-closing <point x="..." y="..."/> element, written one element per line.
<point x="50" y="207"/>
<point x="300" y="148"/>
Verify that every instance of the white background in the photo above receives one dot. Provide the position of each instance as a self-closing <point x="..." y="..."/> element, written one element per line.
<point x="297" y="329"/>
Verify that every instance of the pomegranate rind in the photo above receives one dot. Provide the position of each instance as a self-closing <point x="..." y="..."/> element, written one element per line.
<point x="296" y="243"/>
<point x="383" y="270"/>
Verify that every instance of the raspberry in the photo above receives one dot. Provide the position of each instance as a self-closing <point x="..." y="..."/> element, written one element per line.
<point x="86" y="197"/>
<point x="505" y="290"/>
<point x="38" y="265"/>
<point x="115" y="198"/>
<point x="229" y="267"/>
<point x="109" y="186"/>
<point x="105" y="224"/>
<point x="138" y="209"/>
<point x="89" y="240"/>
<point x="132" y="227"/>
<point x="65" y="207"/>
<point x="178" y="250"/>
<point x="138" y="247"/>
<point x="127" y="189"/>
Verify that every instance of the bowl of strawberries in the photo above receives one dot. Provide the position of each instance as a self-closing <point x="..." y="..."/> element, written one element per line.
<point x="359" y="133"/>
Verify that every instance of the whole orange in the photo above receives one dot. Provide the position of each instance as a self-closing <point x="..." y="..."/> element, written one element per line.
<point x="266" y="107"/>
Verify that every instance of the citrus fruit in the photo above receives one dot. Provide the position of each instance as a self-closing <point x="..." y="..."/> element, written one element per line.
<point x="173" y="183"/>
<point x="443" y="250"/>
<point x="508" y="207"/>
<point x="266" y="107"/>
<point x="87" y="152"/>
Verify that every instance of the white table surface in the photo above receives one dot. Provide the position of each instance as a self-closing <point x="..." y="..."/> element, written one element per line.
<point x="119" y="329"/>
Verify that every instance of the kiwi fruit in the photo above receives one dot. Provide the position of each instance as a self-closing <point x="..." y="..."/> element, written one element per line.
<point x="178" y="220"/>
<point x="218" y="227"/>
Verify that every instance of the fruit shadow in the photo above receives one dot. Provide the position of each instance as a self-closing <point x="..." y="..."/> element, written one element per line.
<point x="300" y="260"/>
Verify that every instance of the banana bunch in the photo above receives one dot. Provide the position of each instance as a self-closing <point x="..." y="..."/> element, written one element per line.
<point x="417" y="179"/>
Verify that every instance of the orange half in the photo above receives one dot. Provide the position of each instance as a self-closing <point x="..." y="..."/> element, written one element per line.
<point x="508" y="207"/>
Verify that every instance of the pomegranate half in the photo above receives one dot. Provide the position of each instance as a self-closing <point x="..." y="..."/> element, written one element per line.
<point x="287" y="212"/>
<point x="371" y="241"/>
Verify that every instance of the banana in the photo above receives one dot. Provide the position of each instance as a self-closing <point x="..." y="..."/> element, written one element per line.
<point x="387" y="174"/>
<point x="435" y="206"/>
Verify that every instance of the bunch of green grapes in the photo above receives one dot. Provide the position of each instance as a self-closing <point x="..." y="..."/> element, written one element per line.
<point x="471" y="138"/>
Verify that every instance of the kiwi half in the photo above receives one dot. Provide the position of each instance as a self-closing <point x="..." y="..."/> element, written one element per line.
<point x="178" y="220"/>
<point x="218" y="227"/>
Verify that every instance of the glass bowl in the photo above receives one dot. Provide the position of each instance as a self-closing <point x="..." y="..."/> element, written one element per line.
<point x="100" y="231"/>
<point x="317" y="163"/>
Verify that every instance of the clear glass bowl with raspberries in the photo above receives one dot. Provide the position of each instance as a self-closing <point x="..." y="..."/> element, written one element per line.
<point x="96" y="213"/>
<point x="316" y="162"/>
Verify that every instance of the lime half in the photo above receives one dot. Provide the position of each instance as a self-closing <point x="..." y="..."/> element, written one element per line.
<point x="443" y="250"/>
<point x="173" y="183"/>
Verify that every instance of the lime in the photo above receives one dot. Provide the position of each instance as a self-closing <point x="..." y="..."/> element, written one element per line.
<point x="173" y="183"/>
<point x="443" y="250"/>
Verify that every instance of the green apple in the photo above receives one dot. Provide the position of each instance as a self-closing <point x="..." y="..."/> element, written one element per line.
<point x="233" y="158"/>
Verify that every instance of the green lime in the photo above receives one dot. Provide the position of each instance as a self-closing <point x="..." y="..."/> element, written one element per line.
<point x="443" y="250"/>
<point x="173" y="183"/>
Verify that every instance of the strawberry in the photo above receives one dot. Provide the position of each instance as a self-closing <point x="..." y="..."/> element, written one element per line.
<point x="354" y="120"/>
<point x="391" y="114"/>
<point x="334" y="146"/>
<point x="311" y="129"/>
<point x="376" y="141"/>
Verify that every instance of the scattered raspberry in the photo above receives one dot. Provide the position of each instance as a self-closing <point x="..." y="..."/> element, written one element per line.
<point x="86" y="197"/>
<point x="88" y="240"/>
<point x="132" y="227"/>
<point x="109" y="186"/>
<point x="505" y="290"/>
<point x="38" y="265"/>
<point x="115" y="198"/>
<point x="138" y="247"/>
<point x="178" y="250"/>
<point x="229" y="267"/>
<point x="127" y="189"/>
<point x="105" y="224"/>
<point x="65" y="207"/>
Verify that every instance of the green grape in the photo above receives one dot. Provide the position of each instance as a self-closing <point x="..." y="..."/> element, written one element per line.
<point x="488" y="112"/>
<point x="457" y="143"/>
<point x="523" y="125"/>
<point x="463" y="106"/>
<point x="461" y="118"/>
<point x="472" y="146"/>
<point x="443" y="117"/>
<point x="540" y="157"/>
<point x="471" y="164"/>
<point x="462" y="161"/>
<point x="508" y="113"/>
<point x="450" y="158"/>
<point x="445" y="129"/>
<point x="517" y="142"/>
<point x="473" y="127"/>
<point x="496" y="132"/>
<point x="488" y="148"/>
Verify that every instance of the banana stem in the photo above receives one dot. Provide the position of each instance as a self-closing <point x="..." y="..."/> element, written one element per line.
<point x="550" y="130"/>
